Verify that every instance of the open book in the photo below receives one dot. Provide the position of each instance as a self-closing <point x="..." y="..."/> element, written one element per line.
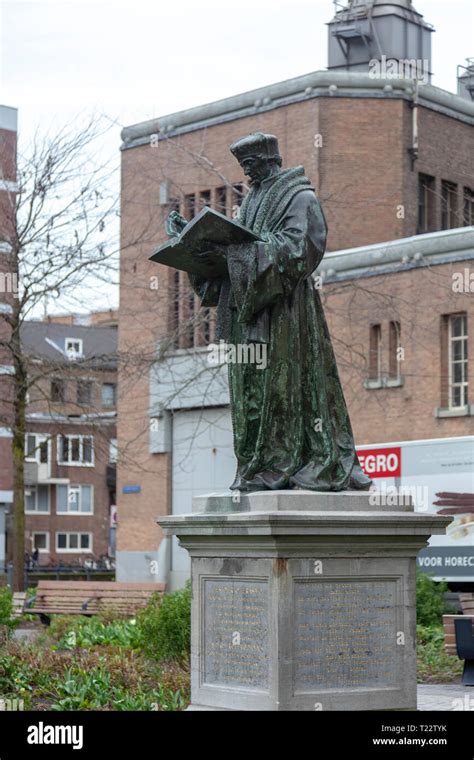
<point x="208" y="226"/>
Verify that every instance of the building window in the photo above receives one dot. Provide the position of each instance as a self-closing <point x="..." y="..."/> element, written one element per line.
<point x="375" y="352"/>
<point x="221" y="199"/>
<point x="468" y="207"/>
<point x="457" y="347"/>
<point x="190" y="206"/>
<point x="206" y="326"/>
<point x="76" y="450"/>
<point x="37" y="500"/>
<point x="237" y="198"/>
<point x="58" y="391"/>
<point x="73" y="348"/>
<point x="41" y="542"/>
<point x="85" y="392"/>
<point x="109" y="394"/>
<point x="449" y="205"/>
<point x="36" y="448"/>
<point x="175" y="308"/>
<point x="188" y="336"/>
<point x="74" y="500"/>
<point x="73" y="542"/>
<point x="426" y="204"/>
<point x="394" y="344"/>
<point x="174" y="205"/>
<point x="204" y="199"/>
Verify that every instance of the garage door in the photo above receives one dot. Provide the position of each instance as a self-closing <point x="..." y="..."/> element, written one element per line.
<point x="203" y="461"/>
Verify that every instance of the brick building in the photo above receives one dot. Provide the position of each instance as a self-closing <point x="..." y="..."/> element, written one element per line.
<point x="393" y="164"/>
<point x="8" y="139"/>
<point x="70" y="443"/>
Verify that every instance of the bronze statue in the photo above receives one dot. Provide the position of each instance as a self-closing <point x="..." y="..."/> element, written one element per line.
<point x="290" y="421"/>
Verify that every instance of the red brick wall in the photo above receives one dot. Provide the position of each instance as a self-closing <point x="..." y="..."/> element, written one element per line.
<point x="445" y="152"/>
<point x="417" y="299"/>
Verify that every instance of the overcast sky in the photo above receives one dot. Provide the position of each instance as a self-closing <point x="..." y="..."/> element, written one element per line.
<point x="137" y="59"/>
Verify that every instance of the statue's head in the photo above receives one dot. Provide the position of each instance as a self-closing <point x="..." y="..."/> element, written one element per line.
<point x="258" y="155"/>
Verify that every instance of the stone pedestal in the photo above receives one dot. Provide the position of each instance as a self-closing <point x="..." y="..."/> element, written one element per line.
<point x="303" y="600"/>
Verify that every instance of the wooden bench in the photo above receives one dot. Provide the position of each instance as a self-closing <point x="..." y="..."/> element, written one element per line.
<point x="90" y="598"/>
<point x="449" y="632"/>
<point x="18" y="603"/>
<point x="467" y="603"/>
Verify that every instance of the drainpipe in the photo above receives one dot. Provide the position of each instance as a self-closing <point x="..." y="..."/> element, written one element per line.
<point x="413" y="150"/>
<point x="165" y="547"/>
<point x="164" y="560"/>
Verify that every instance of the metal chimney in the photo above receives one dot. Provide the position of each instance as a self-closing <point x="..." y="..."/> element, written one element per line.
<point x="364" y="31"/>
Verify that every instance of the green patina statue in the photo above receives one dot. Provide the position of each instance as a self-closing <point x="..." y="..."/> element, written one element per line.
<point x="290" y="421"/>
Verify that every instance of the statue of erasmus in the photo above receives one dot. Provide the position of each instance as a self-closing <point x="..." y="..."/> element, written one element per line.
<point x="290" y="421"/>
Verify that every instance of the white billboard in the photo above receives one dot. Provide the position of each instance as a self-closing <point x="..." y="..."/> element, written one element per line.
<point x="439" y="475"/>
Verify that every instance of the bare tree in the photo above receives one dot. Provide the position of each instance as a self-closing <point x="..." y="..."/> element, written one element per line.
<point x="60" y="240"/>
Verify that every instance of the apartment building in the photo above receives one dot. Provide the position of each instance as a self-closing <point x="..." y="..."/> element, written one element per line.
<point x="70" y="443"/>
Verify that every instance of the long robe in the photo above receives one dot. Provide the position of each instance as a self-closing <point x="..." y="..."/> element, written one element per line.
<point x="290" y="422"/>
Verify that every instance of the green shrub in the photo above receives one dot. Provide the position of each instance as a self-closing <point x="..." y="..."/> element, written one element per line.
<point x="73" y="632"/>
<point x="62" y="625"/>
<point x="97" y="688"/>
<point x="6" y="608"/>
<point x="433" y="664"/>
<point x="430" y="601"/>
<point x="165" y="626"/>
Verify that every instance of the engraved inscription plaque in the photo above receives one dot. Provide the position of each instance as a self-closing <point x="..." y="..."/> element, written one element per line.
<point x="235" y="634"/>
<point x="345" y="634"/>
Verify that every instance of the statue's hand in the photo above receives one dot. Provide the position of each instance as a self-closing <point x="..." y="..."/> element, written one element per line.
<point x="203" y="256"/>
<point x="206" y="249"/>
<point x="175" y="224"/>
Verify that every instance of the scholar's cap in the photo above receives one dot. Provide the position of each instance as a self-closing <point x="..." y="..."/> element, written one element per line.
<point x="256" y="144"/>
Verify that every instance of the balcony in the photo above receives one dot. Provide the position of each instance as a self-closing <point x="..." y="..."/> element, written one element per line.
<point x="39" y="474"/>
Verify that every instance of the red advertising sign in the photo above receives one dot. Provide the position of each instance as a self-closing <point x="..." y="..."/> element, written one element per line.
<point x="381" y="463"/>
